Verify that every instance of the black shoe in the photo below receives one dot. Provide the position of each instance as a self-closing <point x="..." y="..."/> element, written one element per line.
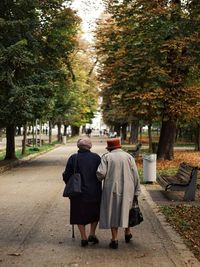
<point x="113" y="244"/>
<point x="84" y="243"/>
<point x="93" y="239"/>
<point x="128" y="238"/>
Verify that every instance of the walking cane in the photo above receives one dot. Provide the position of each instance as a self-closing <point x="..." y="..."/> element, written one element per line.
<point x="73" y="231"/>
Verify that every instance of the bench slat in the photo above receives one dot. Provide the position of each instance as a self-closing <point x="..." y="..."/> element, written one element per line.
<point x="170" y="180"/>
<point x="184" y="180"/>
<point x="184" y="173"/>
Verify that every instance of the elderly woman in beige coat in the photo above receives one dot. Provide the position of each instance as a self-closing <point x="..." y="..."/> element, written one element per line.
<point x="121" y="186"/>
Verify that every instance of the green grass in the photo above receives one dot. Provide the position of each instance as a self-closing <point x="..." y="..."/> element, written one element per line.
<point x="2" y="154"/>
<point x="29" y="150"/>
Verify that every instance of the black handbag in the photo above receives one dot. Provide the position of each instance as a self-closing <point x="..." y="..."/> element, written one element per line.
<point x="135" y="215"/>
<point x="73" y="186"/>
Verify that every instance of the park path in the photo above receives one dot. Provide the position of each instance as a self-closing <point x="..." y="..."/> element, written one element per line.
<point x="35" y="230"/>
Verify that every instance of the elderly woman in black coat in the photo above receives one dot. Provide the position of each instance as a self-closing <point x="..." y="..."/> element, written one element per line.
<point x="85" y="209"/>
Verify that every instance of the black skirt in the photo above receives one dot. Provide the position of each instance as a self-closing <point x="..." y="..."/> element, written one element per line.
<point x="82" y="212"/>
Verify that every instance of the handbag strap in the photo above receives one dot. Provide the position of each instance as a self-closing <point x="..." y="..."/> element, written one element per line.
<point x="135" y="202"/>
<point x="76" y="162"/>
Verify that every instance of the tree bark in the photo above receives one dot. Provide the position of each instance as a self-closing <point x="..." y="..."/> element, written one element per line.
<point x="10" y="142"/>
<point x="50" y="132"/>
<point x="134" y="132"/>
<point x="140" y="132"/>
<point x="150" y="137"/>
<point x="123" y="132"/>
<point x="65" y="130"/>
<point x="24" y="140"/>
<point x="166" y="141"/>
<point x="197" y="138"/>
<point x="36" y="133"/>
<point x="33" y="133"/>
<point x="40" y="133"/>
<point x="75" y="130"/>
<point x="1" y="132"/>
<point x="59" y="136"/>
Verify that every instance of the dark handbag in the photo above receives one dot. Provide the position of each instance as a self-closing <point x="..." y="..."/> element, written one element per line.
<point x="73" y="186"/>
<point x="135" y="215"/>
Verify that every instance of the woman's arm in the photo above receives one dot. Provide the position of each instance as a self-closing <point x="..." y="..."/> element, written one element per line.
<point x="102" y="169"/>
<point x="69" y="170"/>
<point x="136" y="179"/>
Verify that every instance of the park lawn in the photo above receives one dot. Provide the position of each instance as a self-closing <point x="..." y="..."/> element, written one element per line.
<point x="185" y="219"/>
<point x="29" y="151"/>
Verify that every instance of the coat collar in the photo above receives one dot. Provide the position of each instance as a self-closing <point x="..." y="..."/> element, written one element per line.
<point x="116" y="150"/>
<point x="83" y="150"/>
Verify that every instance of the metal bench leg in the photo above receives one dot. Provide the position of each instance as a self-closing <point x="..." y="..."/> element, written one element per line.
<point x="190" y="191"/>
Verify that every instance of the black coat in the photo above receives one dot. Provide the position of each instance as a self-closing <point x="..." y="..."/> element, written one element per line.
<point x="87" y="164"/>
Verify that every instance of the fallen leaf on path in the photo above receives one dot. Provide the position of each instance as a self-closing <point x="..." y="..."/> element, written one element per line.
<point x="15" y="254"/>
<point x="141" y="256"/>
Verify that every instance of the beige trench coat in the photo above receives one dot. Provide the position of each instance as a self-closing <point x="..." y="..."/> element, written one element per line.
<point x="121" y="184"/>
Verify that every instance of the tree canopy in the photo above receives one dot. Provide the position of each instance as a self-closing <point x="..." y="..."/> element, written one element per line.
<point x="148" y="52"/>
<point x="37" y="81"/>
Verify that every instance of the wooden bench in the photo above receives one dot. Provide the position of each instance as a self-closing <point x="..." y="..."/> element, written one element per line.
<point x="135" y="152"/>
<point x="184" y="180"/>
<point x="30" y="141"/>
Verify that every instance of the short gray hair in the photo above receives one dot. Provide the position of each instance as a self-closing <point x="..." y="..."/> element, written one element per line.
<point x="84" y="143"/>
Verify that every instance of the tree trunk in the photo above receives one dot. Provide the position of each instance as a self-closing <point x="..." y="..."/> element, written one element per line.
<point x="40" y="134"/>
<point x="36" y="133"/>
<point x="197" y="138"/>
<point x="1" y="133"/>
<point x="24" y="140"/>
<point x="75" y="130"/>
<point x="117" y="129"/>
<point x="123" y="132"/>
<point x="150" y="137"/>
<point x="65" y="130"/>
<point x="59" y="136"/>
<point x="83" y="129"/>
<point x="33" y="133"/>
<point x="134" y="132"/>
<point x="140" y="132"/>
<point x="10" y="142"/>
<point x="50" y="132"/>
<point x="166" y="141"/>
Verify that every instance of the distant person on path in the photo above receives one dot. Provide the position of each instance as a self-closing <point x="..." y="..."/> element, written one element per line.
<point x="85" y="209"/>
<point x="88" y="132"/>
<point x="121" y="186"/>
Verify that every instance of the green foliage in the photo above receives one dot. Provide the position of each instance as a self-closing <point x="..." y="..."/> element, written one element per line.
<point x="147" y="50"/>
<point x="80" y="97"/>
<point x="31" y="64"/>
<point x="36" y="41"/>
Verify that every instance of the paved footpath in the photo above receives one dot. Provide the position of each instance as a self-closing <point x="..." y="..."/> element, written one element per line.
<point x="35" y="230"/>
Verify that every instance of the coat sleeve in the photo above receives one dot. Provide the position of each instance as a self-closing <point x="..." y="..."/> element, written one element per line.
<point x="136" y="179"/>
<point x="69" y="170"/>
<point x="102" y="169"/>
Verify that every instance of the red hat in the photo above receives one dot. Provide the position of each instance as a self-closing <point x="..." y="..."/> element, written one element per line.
<point x="113" y="143"/>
